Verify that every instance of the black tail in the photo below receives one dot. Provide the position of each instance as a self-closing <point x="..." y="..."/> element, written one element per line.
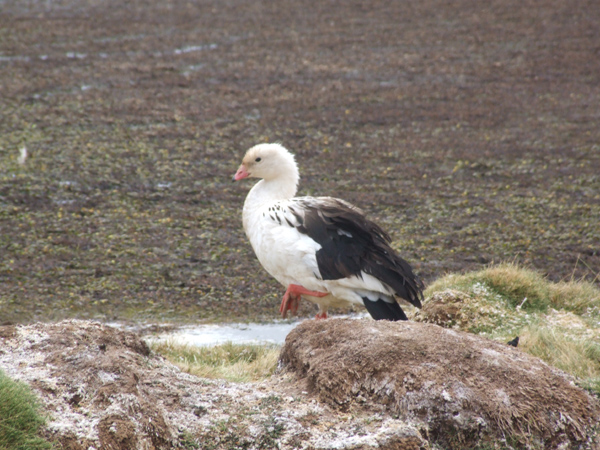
<point x="382" y="310"/>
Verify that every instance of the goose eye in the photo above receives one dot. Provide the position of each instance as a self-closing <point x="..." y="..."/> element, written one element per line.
<point x="257" y="159"/>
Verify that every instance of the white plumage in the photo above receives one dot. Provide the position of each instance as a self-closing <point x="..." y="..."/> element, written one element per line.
<point x="321" y="248"/>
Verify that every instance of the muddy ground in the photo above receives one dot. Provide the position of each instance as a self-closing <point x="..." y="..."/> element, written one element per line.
<point x="469" y="131"/>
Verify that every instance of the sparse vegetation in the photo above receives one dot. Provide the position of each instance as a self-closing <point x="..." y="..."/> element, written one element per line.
<point x="20" y="417"/>
<point x="558" y="322"/>
<point x="233" y="362"/>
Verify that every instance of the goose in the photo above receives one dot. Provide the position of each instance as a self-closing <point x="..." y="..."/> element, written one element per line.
<point x="322" y="249"/>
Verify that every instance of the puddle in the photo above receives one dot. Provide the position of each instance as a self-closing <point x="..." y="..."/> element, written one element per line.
<point x="14" y="58"/>
<point x="74" y="55"/>
<point x="237" y="333"/>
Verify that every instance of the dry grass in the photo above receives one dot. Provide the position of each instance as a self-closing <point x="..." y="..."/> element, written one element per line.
<point x="576" y="296"/>
<point x="233" y="362"/>
<point x="580" y="357"/>
<point x="557" y="322"/>
<point x="515" y="284"/>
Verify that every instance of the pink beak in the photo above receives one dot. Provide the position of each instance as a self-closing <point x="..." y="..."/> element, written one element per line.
<point x="241" y="173"/>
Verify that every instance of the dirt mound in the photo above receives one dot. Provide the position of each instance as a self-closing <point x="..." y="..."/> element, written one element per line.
<point x="84" y="368"/>
<point x="444" y="309"/>
<point x="465" y="389"/>
<point x="104" y="389"/>
<point x="372" y="385"/>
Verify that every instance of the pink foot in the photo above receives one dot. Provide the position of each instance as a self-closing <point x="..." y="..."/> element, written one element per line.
<point x="321" y="315"/>
<point x="289" y="302"/>
<point x="291" y="298"/>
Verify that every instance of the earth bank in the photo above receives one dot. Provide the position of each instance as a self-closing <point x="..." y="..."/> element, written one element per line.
<point x="345" y="384"/>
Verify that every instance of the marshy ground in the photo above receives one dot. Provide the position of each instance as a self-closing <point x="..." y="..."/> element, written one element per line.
<point x="470" y="132"/>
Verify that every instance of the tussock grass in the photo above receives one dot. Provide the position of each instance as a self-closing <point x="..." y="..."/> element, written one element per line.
<point x="580" y="357"/>
<point x="233" y="362"/>
<point x="577" y="296"/>
<point x="557" y="322"/>
<point x="515" y="284"/>
<point x="20" y="419"/>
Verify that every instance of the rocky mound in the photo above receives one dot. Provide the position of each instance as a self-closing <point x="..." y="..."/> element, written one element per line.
<point x="463" y="388"/>
<point x="371" y="385"/>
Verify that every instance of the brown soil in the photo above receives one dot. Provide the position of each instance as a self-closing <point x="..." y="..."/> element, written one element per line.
<point x="467" y="389"/>
<point x="469" y="130"/>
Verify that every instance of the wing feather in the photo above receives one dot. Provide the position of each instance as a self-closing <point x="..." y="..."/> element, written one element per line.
<point x="352" y="245"/>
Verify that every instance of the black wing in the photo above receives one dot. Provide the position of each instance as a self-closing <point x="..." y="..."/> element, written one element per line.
<point x="351" y="244"/>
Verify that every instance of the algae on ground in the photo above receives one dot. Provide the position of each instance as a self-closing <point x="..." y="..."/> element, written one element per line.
<point x="123" y="208"/>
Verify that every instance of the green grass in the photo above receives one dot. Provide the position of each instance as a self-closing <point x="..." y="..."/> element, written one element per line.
<point x="557" y="322"/>
<point x="514" y="284"/>
<point x="233" y="362"/>
<point x="20" y="417"/>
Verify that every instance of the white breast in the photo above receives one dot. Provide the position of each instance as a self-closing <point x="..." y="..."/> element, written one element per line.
<point x="288" y="255"/>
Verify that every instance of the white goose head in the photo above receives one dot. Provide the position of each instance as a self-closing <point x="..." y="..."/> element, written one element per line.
<point x="270" y="162"/>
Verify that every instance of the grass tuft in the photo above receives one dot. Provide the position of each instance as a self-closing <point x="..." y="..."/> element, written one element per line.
<point x="577" y="296"/>
<point x="20" y="419"/>
<point x="579" y="357"/>
<point x="557" y="322"/>
<point x="518" y="286"/>
<point x="233" y="362"/>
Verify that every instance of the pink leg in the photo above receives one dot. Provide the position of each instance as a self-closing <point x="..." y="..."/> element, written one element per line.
<point x="291" y="298"/>
<point x="289" y="302"/>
